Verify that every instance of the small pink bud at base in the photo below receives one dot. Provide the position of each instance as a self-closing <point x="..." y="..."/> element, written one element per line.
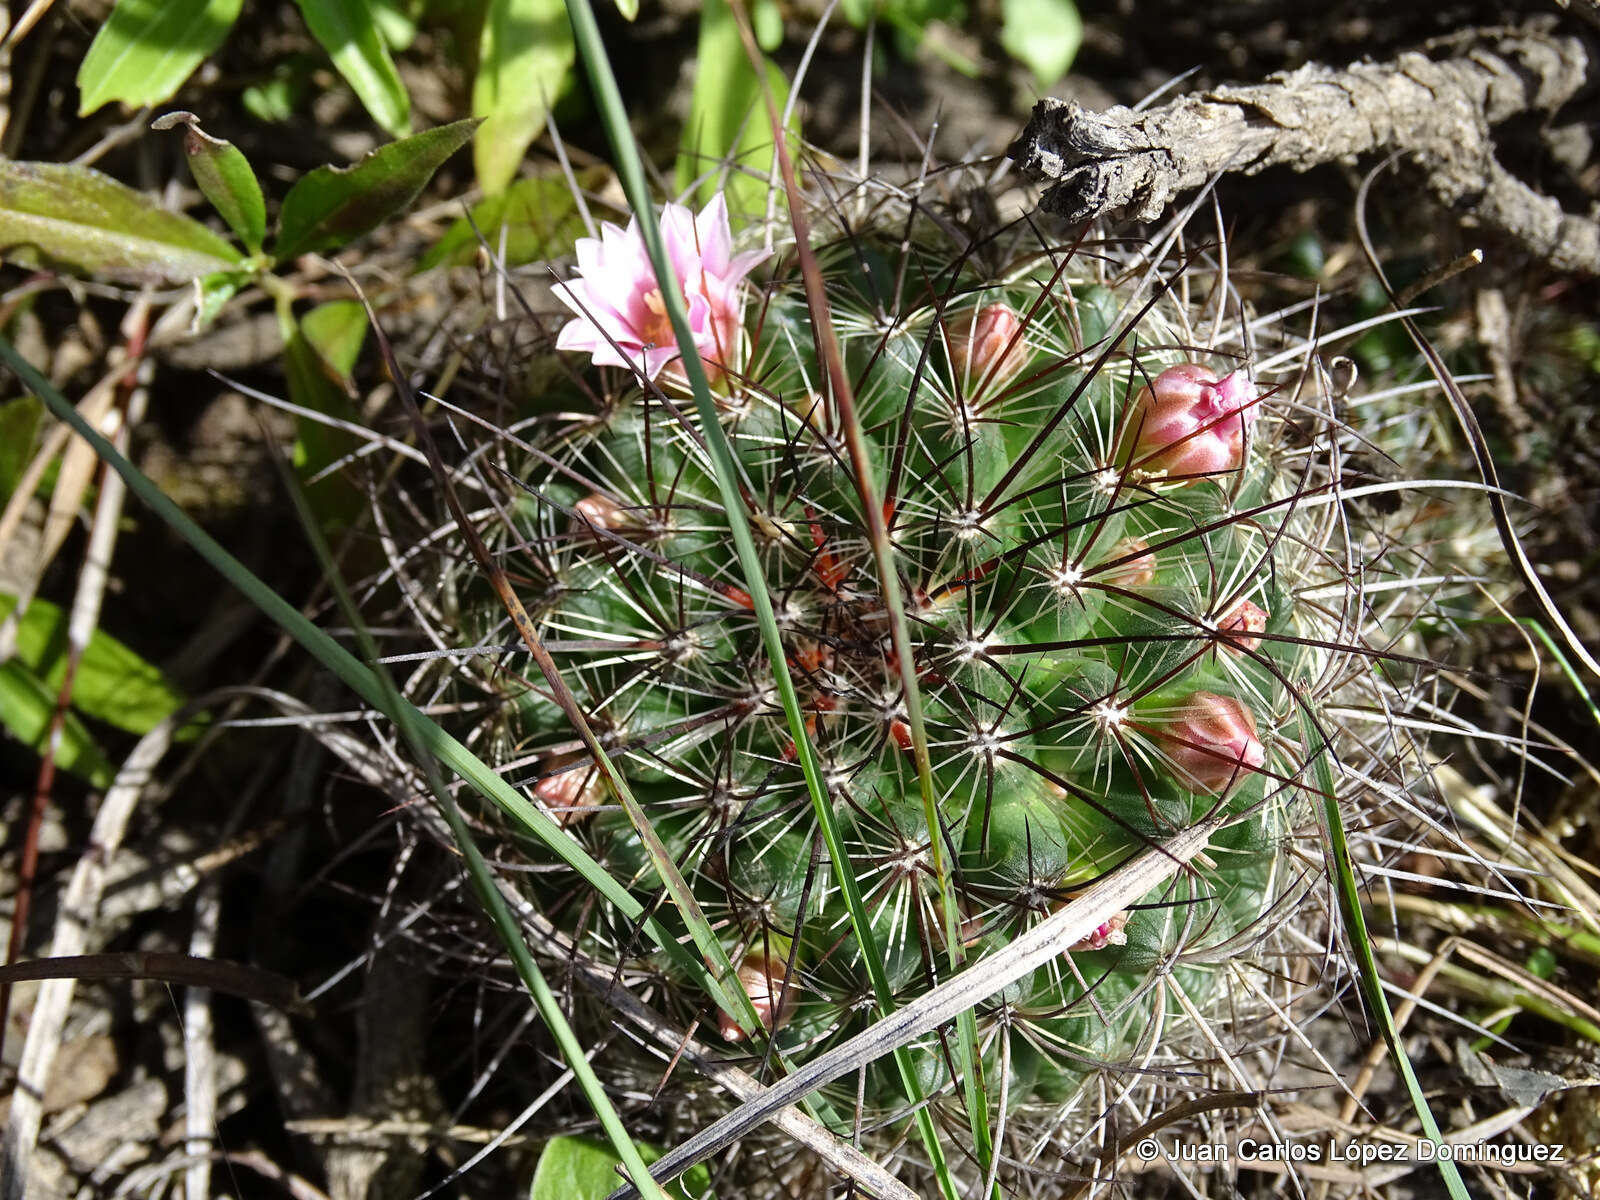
<point x="597" y="511"/>
<point x="1187" y="422"/>
<point x="1211" y="743"/>
<point x="569" y="790"/>
<point x="1134" y="565"/>
<point x="762" y="978"/>
<point x="1242" y="620"/>
<point x="1108" y="934"/>
<point x="992" y="352"/>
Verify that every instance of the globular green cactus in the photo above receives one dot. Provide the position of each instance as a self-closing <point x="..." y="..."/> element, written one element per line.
<point x="1101" y="527"/>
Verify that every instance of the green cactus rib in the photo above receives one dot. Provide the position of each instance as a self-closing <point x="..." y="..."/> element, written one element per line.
<point x="1067" y="606"/>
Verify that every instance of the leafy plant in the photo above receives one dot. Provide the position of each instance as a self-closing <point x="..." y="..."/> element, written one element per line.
<point x="148" y="48"/>
<point x="577" y="1168"/>
<point x="110" y="683"/>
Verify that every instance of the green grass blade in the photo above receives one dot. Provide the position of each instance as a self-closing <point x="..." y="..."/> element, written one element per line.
<point x="359" y="679"/>
<point x="631" y="171"/>
<point x="1355" y="924"/>
<point x="483" y="884"/>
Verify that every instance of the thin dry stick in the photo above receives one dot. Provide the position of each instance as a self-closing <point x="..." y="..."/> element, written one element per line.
<point x="1438" y="113"/>
<point x="84" y="619"/>
<point x="74" y="933"/>
<point x="78" y="930"/>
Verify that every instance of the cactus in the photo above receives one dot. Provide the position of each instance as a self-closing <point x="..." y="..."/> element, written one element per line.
<point x="1094" y="518"/>
<point x="1130" y="596"/>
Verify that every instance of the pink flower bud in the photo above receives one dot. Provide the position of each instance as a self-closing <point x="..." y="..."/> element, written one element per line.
<point x="1242" y="620"/>
<point x="1133" y="565"/>
<point x="570" y="787"/>
<point x="1211" y="743"/>
<point x="599" y="512"/>
<point x="993" y="351"/>
<point x="1187" y="422"/>
<point x="762" y="978"/>
<point x="1108" y="934"/>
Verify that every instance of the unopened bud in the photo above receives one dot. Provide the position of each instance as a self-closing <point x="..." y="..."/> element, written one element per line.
<point x="599" y="511"/>
<point x="1187" y="422"/>
<point x="1133" y="565"/>
<point x="762" y="976"/>
<point x="1238" y="627"/>
<point x="570" y="787"/>
<point x="993" y="351"/>
<point x="1211" y="743"/>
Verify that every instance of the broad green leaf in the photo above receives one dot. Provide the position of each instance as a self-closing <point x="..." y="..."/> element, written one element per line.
<point x="147" y="48"/>
<point x="75" y="218"/>
<point x="525" y="55"/>
<point x="580" y="1168"/>
<point x="332" y="205"/>
<point x="539" y="216"/>
<point x="225" y="177"/>
<point x="337" y="330"/>
<point x="19" y="426"/>
<point x="348" y="31"/>
<point x="112" y="683"/>
<point x="26" y="707"/>
<point x="318" y="359"/>
<point x="728" y="124"/>
<point x="1043" y="35"/>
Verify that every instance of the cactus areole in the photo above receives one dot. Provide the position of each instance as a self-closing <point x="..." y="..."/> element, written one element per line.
<point x="1088" y="540"/>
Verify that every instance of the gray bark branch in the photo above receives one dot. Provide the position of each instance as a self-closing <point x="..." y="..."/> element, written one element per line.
<point x="1438" y="113"/>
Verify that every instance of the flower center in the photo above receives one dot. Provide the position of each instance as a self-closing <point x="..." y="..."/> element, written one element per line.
<point x="658" y="330"/>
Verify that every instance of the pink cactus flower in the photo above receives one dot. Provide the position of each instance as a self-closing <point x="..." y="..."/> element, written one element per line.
<point x="1187" y="422"/>
<point x="1237" y="627"/>
<point x="1211" y="743"/>
<point x="992" y="351"/>
<point x="762" y="978"/>
<point x="621" y="315"/>
<point x="1133" y="565"/>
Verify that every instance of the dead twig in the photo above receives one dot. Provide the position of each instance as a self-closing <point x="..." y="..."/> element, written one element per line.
<point x="1437" y="113"/>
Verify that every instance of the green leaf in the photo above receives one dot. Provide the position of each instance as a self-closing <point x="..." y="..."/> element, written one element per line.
<point x="539" y="216"/>
<point x="330" y="205"/>
<point x="397" y="21"/>
<point x="728" y="117"/>
<point x="225" y="177"/>
<point x="628" y="8"/>
<point x="19" y="426"/>
<point x="766" y="18"/>
<point x="348" y="31"/>
<point x="26" y="708"/>
<point x="112" y="683"/>
<point x="275" y="99"/>
<point x="147" y="48"/>
<point x="75" y="218"/>
<point x="1043" y="35"/>
<point x="318" y="359"/>
<point x="215" y="290"/>
<point x="525" y="56"/>
<point x="337" y="330"/>
<point x="579" y="1168"/>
